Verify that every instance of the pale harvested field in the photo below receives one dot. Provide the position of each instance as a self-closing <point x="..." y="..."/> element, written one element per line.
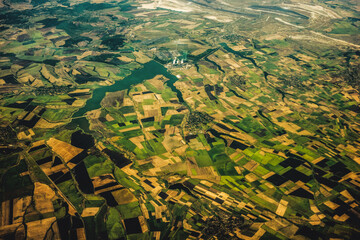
<point x="43" y="196"/>
<point x="65" y="150"/>
<point x="129" y="129"/>
<point x="143" y="224"/>
<point x="240" y="135"/>
<point x="282" y="208"/>
<point x="22" y="114"/>
<point x="172" y="142"/>
<point x="127" y="102"/>
<point x="159" y="162"/>
<point x="140" y="98"/>
<point x="38" y="229"/>
<point x="199" y="51"/>
<point x="29" y="117"/>
<point x="163" y="25"/>
<point x="22" y="135"/>
<point x="251" y="177"/>
<point x="204" y="173"/>
<point x="48" y="170"/>
<point x="238" y="47"/>
<point x="85" y="90"/>
<point x="129" y="114"/>
<point x="125" y="59"/>
<point x="232" y="63"/>
<point x="138" y="140"/>
<point x="102" y="180"/>
<point x="192" y="26"/>
<point x="20" y="205"/>
<point x="85" y="54"/>
<point x="288" y="126"/>
<point x="251" y="165"/>
<point x="45" y="72"/>
<point x="158" y="81"/>
<point x="109" y="118"/>
<point x="5" y="213"/>
<point x="80" y="233"/>
<point x="88" y="212"/>
<point x="196" y="145"/>
<point x="331" y="205"/>
<point x="192" y="73"/>
<point x="25" y="78"/>
<point x="151" y="111"/>
<point x="141" y="57"/>
<point x="42" y="123"/>
<point x="94" y="114"/>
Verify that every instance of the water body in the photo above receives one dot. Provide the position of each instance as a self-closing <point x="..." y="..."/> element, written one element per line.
<point x="149" y="70"/>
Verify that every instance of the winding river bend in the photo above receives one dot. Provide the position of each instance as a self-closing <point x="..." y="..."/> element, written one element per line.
<point x="149" y="70"/>
<point x="265" y="73"/>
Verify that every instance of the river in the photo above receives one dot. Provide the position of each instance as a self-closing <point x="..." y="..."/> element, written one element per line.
<point x="265" y="73"/>
<point x="149" y="71"/>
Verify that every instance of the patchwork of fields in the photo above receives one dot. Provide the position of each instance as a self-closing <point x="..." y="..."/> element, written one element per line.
<point x="179" y="119"/>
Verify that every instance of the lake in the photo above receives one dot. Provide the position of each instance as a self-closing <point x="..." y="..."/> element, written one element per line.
<point x="149" y="71"/>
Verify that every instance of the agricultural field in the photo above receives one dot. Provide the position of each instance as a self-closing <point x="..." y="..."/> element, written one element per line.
<point x="174" y="119"/>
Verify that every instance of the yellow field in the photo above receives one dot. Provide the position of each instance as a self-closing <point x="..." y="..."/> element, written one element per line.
<point x="65" y="150"/>
<point x="43" y="196"/>
<point x="42" y="123"/>
<point x="125" y="59"/>
<point x="129" y="129"/>
<point x="88" y="212"/>
<point x="85" y="90"/>
<point x="141" y="57"/>
<point x="158" y="81"/>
